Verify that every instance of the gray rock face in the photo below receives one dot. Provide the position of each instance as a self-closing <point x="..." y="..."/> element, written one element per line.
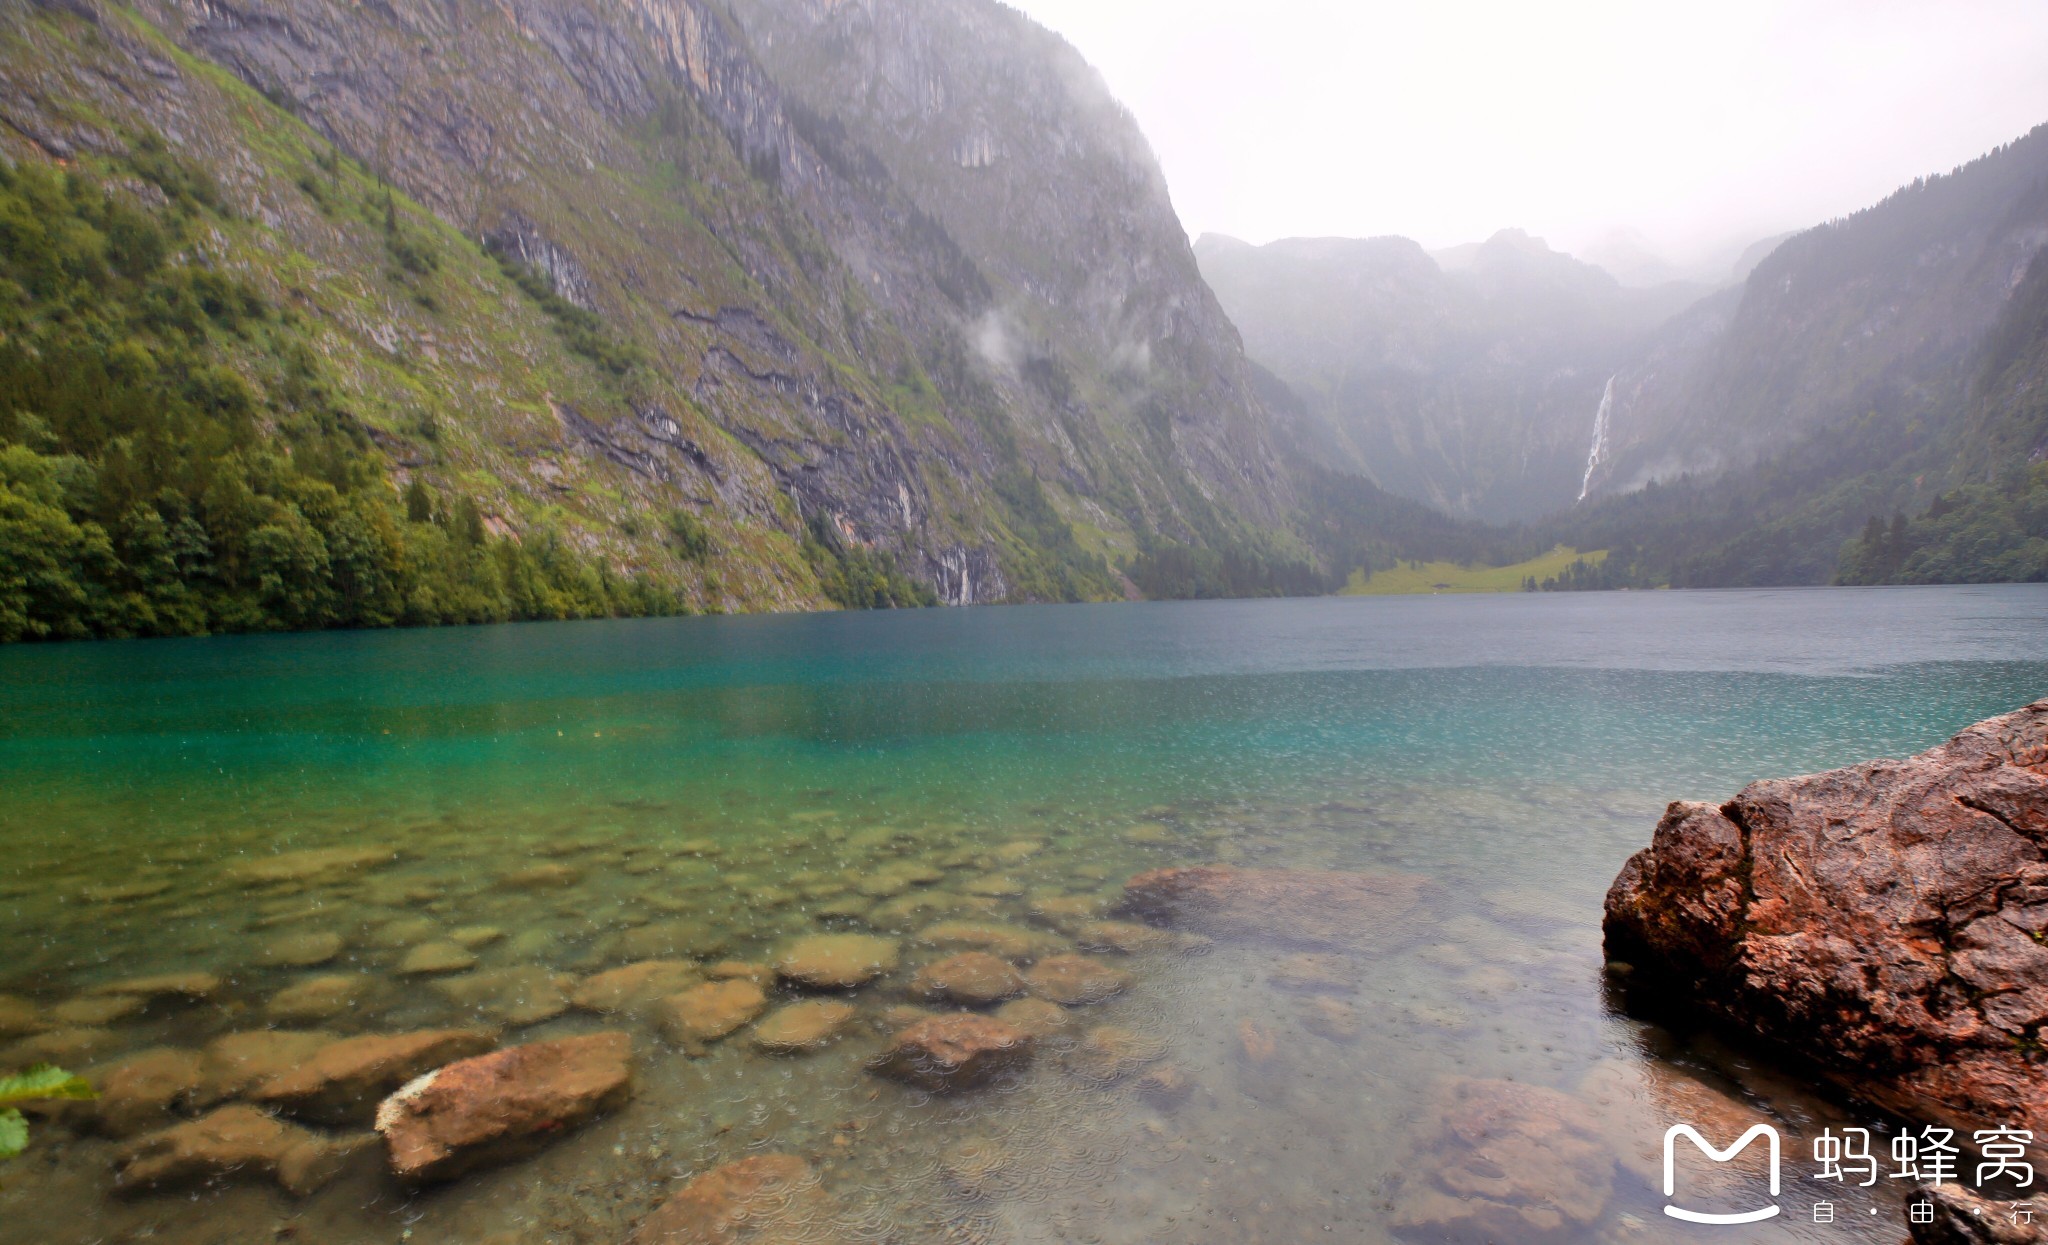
<point x="941" y="194"/>
<point x="1095" y="315"/>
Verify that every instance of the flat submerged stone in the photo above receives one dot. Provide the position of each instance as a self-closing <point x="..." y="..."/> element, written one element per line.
<point x="949" y="1053"/>
<point x="235" y="1143"/>
<point x="836" y="961"/>
<point x="799" y="1028"/>
<point x="308" y="865"/>
<point x="1076" y="980"/>
<point x="710" y="1011"/>
<point x="971" y="978"/>
<point x="1308" y="908"/>
<point x="765" y="1199"/>
<point x="341" y="1083"/>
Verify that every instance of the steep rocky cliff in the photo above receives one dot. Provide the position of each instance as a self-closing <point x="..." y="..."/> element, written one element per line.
<point x="1095" y="325"/>
<point x="812" y="286"/>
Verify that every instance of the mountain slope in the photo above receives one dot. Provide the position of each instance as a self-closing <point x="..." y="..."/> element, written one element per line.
<point x="1099" y="332"/>
<point x="1474" y="387"/>
<point x="1865" y="408"/>
<point x="592" y="268"/>
<point x="1880" y="312"/>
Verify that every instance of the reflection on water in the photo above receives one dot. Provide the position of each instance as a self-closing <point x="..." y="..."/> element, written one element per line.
<point x="392" y="833"/>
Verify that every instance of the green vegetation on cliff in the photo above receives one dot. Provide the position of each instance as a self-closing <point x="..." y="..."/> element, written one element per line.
<point x="174" y="458"/>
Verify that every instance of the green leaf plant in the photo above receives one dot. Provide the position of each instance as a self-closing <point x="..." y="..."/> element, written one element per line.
<point x="42" y="1083"/>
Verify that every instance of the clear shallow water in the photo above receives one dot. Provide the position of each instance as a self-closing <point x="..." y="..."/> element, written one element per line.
<point x="720" y="786"/>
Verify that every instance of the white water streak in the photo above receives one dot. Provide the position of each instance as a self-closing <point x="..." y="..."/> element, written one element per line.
<point x="1599" y="450"/>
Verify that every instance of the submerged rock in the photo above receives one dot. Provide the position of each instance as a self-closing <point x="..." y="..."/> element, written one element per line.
<point x="1041" y="1020"/>
<point x="1076" y="980"/>
<point x="1011" y="942"/>
<point x="1309" y="908"/>
<point x="432" y="959"/>
<point x="972" y="978"/>
<point x="307" y="950"/>
<point x="798" y="1028"/>
<point x="1063" y="911"/>
<point x="319" y="998"/>
<point x="476" y="937"/>
<point x="767" y="1199"/>
<point x="494" y="1108"/>
<point x="947" y="1053"/>
<point x="69" y="1046"/>
<point x="1884" y="920"/>
<point x="97" y="1009"/>
<point x="1504" y="1161"/>
<point x="197" y="987"/>
<point x="237" y="1142"/>
<point x="540" y="877"/>
<point x="238" y="1062"/>
<point x="19" y="1017"/>
<point x="1331" y="1018"/>
<point x="1111" y="1052"/>
<point x="707" y="1012"/>
<point x="671" y="939"/>
<point x="1631" y="1102"/>
<point x="1166" y="1086"/>
<point x="517" y="997"/>
<point x="739" y="970"/>
<point x="342" y="1082"/>
<point x="634" y="986"/>
<point x="317" y="864"/>
<point x="1127" y="937"/>
<point x="142" y="1091"/>
<point x="836" y="961"/>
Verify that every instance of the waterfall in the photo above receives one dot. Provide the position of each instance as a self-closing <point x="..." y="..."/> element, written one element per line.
<point x="1599" y="450"/>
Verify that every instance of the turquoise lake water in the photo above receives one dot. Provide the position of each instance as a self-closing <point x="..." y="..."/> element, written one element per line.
<point x="717" y="787"/>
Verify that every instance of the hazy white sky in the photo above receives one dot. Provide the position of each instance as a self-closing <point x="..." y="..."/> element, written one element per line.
<point x="1445" y="120"/>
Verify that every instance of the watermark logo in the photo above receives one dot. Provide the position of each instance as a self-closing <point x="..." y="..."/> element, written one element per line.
<point x="1687" y="1131"/>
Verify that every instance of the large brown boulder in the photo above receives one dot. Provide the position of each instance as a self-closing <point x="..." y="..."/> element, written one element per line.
<point x="342" y="1082"/>
<point x="498" y="1107"/>
<point x="1886" y="921"/>
<point x="1310" y="908"/>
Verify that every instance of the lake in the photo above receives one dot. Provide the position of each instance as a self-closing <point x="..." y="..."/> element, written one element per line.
<point x="546" y="802"/>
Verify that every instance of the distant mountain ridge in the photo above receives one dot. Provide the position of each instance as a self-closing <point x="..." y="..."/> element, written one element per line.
<point x="1469" y="379"/>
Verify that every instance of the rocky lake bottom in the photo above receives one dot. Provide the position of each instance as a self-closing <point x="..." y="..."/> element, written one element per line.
<point x="772" y="846"/>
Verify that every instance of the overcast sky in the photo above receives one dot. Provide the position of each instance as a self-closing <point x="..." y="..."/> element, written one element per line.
<point x="1697" y="124"/>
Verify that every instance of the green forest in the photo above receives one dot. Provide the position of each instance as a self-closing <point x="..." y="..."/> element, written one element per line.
<point x="173" y="462"/>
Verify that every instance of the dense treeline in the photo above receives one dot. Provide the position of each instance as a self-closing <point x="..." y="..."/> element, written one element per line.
<point x="1981" y="533"/>
<point x="174" y="462"/>
<point x="1166" y="570"/>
